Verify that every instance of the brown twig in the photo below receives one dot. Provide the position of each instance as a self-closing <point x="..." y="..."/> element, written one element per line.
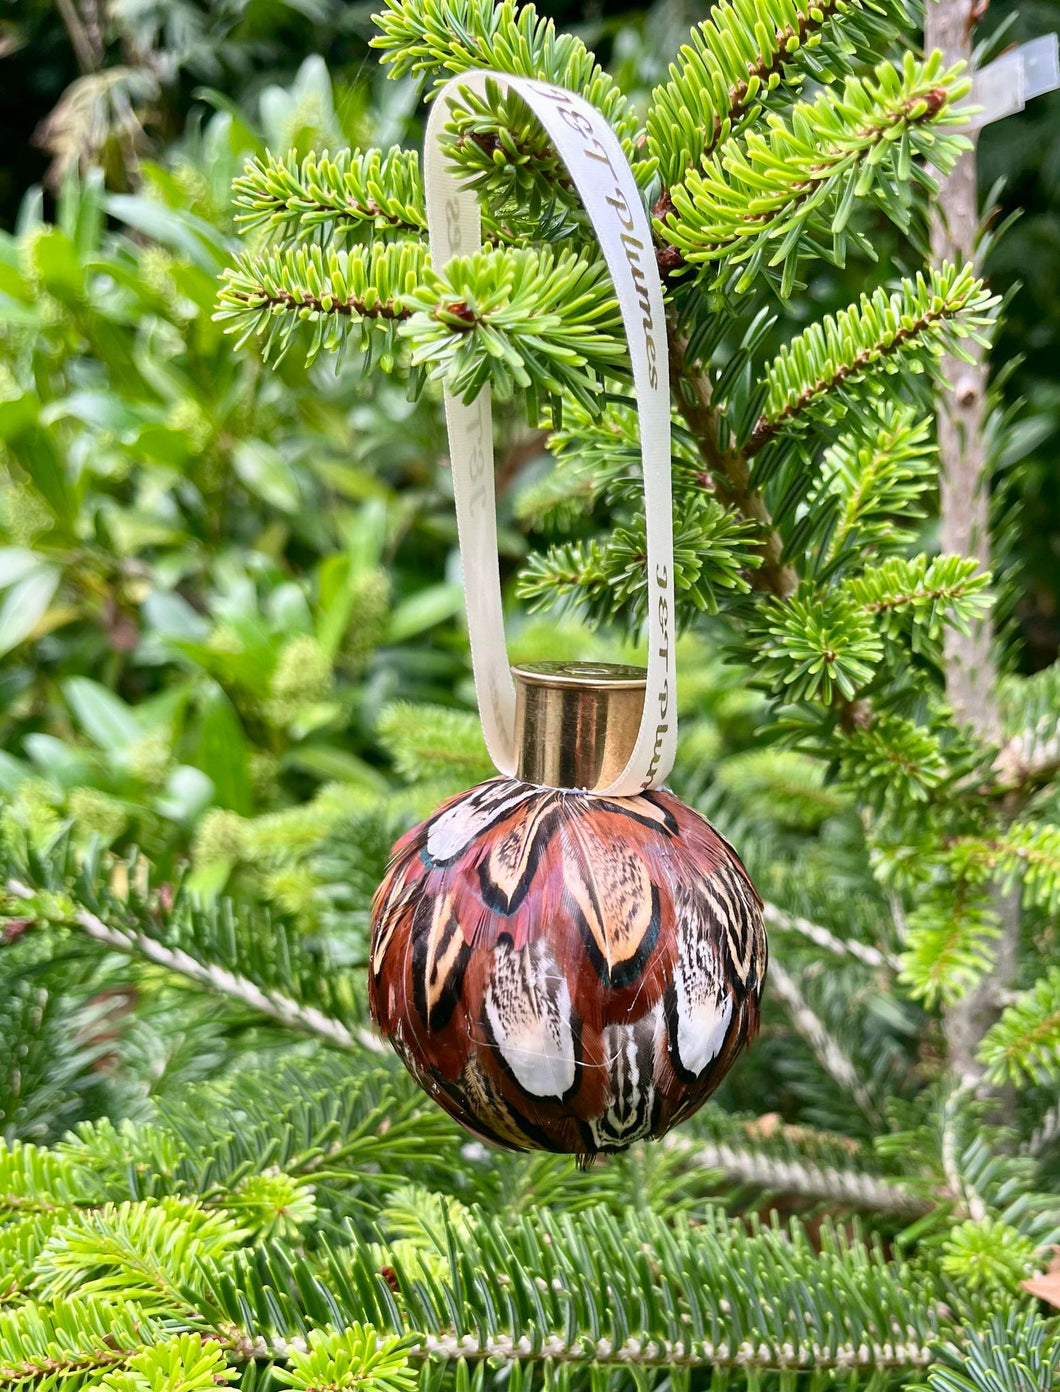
<point x="87" y="54"/>
<point x="728" y="473"/>
<point x="262" y="299"/>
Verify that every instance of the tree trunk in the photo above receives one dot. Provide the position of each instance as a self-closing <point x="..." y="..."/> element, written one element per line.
<point x="971" y="668"/>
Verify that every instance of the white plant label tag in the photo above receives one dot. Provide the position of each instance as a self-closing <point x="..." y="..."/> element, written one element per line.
<point x="1006" y="85"/>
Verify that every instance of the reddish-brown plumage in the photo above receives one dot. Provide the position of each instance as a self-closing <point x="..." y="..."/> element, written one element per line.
<point x="565" y="971"/>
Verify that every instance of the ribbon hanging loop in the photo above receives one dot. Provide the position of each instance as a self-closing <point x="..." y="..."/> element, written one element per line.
<point x="600" y="172"/>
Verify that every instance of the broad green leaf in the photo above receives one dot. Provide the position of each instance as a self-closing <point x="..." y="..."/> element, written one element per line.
<point x="327" y="761"/>
<point x="37" y="453"/>
<point x="56" y="261"/>
<point x="16" y="563"/>
<point x="222" y="753"/>
<point x="25" y="605"/>
<point x="63" y="763"/>
<point x="102" y="409"/>
<point x="333" y="582"/>
<point x="250" y="668"/>
<point x="188" y="792"/>
<point x="263" y="469"/>
<point x="171" y="616"/>
<point x="430" y="606"/>
<point x="102" y="715"/>
<point x="186" y="234"/>
<point x="12" y="772"/>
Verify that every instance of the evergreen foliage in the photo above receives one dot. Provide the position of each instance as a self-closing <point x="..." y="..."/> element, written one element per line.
<point x="237" y="673"/>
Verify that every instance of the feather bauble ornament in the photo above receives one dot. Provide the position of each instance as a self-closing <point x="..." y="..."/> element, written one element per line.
<point x="562" y="970"/>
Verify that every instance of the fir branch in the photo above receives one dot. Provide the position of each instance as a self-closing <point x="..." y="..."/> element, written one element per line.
<point x="739" y="57"/>
<point x="767" y="200"/>
<point x="269" y="295"/>
<point x="782" y="921"/>
<point x="501" y="151"/>
<point x="893" y="761"/>
<point x="713" y="549"/>
<point x="825" y="1047"/>
<point x="1025" y="850"/>
<point x="818" y="646"/>
<point x="353" y="192"/>
<point x="875" y="476"/>
<point x="950" y="942"/>
<point x="287" y="1012"/>
<point x="182" y="1363"/>
<point x="434" y="742"/>
<point x="273" y="1004"/>
<point x="922" y="585"/>
<point x="801" y="1178"/>
<point x="709" y="1295"/>
<point x="529" y="320"/>
<point x="666" y="1353"/>
<point x="1017" y="1351"/>
<point x="83" y="1333"/>
<point x="149" y="1251"/>
<point x="912" y="328"/>
<point x="782" y="786"/>
<point x="440" y="39"/>
<point x="953" y="1156"/>
<point x="634" y="1352"/>
<point x="34" y="1181"/>
<point x="1025" y="1042"/>
<point x="1045" y="1134"/>
<point x="496" y="141"/>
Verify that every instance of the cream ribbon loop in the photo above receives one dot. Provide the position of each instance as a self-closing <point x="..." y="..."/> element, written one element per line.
<point x="601" y="174"/>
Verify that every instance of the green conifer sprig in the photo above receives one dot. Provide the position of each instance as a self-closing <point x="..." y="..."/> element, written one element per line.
<point x="350" y="1358"/>
<point x="1010" y="1353"/>
<point x="894" y="762"/>
<point x="908" y="330"/>
<point x="147" y="1251"/>
<point x="497" y="141"/>
<point x="443" y="38"/>
<point x="815" y="648"/>
<point x="1025" y="1042"/>
<point x="503" y="153"/>
<point x="72" y="1339"/>
<point x="872" y="477"/>
<point x="239" y="954"/>
<point x="336" y="293"/>
<point x="1025" y="850"/>
<point x="182" y="1363"/>
<point x="714" y="550"/>
<point x="597" y="460"/>
<point x="576" y="1281"/>
<point x="428" y="742"/>
<point x="320" y="196"/>
<point x="914" y="598"/>
<point x="527" y="320"/>
<point x="768" y="200"/>
<point x="950" y="939"/>
<point x="746" y="55"/>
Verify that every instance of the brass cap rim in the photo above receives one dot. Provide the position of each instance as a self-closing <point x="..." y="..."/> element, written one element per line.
<point x="603" y="676"/>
